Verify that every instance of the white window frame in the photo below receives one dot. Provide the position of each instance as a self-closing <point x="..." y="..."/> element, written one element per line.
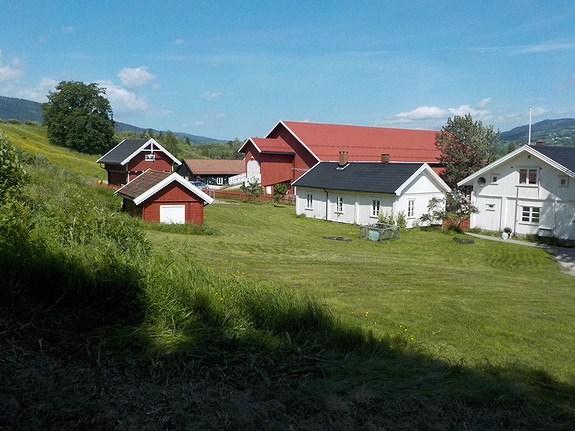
<point x="375" y="207"/>
<point x="527" y="181"/>
<point x="530" y="214"/>
<point x="220" y="181"/>
<point x="339" y="205"/>
<point x="411" y="208"/>
<point x="309" y="201"/>
<point x="150" y="157"/>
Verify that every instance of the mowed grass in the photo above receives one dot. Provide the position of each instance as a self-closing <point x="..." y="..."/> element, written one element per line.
<point x="33" y="140"/>
<point x="477" y="305"/>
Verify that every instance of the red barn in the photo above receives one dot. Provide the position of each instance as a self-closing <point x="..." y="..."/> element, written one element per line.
<point x="131" y="157"/>
<point x="291" y="148"/>
<point x="164" y="197"/>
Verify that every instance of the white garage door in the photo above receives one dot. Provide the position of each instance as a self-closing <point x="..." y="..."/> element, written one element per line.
<point x="173" y="214"/>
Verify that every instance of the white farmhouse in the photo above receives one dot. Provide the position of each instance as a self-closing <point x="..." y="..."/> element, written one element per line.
<point x="529" y="191"/>
<point x="356" y="192"/>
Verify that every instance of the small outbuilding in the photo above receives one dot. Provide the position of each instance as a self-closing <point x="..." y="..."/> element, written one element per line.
<point x="164" y="197"/>
<point x="131" y="157"/>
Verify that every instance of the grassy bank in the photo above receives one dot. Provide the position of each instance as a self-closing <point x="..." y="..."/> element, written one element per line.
<point x="260" y="323"/>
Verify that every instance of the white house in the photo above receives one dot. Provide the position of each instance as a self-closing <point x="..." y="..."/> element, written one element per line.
<point x="356" y="192"/>
<point x="530" y="191"/>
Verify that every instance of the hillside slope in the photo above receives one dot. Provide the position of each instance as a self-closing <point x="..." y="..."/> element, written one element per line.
<point x="27" y="110"/>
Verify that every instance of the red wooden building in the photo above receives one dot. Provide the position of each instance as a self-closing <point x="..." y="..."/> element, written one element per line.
<point x="131" y="157"/>
<point x="164" y="197"/>
<point x="291" y="148"/>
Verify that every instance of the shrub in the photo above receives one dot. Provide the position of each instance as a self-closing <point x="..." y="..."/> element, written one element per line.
<point x="253" y="189"/>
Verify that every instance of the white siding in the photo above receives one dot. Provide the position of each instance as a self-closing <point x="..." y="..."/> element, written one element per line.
<point x="357" y="206"/>
<point x="556" y="201"/>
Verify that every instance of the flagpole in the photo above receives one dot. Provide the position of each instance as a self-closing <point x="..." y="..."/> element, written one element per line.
<point x="530" y="110"/>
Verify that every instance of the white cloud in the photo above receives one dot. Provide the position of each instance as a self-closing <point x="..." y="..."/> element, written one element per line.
<point x="179" y="41"/>
<point x="12" y="71"/>
<point x="124" y="102"/>
<point x="135" y="78"/>
<point x="199" y="123"/>
<point x="211" y="95"/>
<point x="67" y="29"/>
<point x="37" y="93"/>
<point x="484" y="102"/>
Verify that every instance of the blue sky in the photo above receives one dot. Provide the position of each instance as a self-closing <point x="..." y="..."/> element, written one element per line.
<point x="228" y="69"/>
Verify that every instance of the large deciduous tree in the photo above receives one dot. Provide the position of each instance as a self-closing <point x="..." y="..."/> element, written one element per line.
<point x="79" y="116"/>
<point x="466" y="146"/>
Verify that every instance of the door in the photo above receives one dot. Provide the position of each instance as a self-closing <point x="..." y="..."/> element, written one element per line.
<point x="173" y="214"/>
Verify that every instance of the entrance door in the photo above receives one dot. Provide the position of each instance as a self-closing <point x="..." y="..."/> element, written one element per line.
<point x="173" y="214"/>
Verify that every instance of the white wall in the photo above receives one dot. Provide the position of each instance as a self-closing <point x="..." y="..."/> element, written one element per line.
<point x="357" y="207"/>
<point x="500" y="202"/>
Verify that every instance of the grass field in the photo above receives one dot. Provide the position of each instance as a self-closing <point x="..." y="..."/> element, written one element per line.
<point x="255" y="322"/>
<point x="487" y="303"/>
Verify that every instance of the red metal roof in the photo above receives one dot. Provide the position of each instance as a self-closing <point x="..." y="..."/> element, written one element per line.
<point x="275" y="145"/>
<point x="364" y="143"/>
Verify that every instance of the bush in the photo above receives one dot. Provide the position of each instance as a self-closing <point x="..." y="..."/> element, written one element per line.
<point x="254" y="190"/>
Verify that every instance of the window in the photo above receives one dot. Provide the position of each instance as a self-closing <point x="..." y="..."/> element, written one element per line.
<point x="530" y="214"/>
<point x="494" y="178"/>
<point x="309" y="201"/>
<point x="563" y="181"/>
<point x="527" y="176"/>
<point x="374" y="208"/>
<point x="490" y="207"/>
<point x="219" y="181"/>
<point x="411" y="208"/>
<point x="150" y="157"/>
<point x="339" y="204"/>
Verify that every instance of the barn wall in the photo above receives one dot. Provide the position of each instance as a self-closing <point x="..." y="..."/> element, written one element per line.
<point x="138" y="164"/>
<point x="174" y="194"/>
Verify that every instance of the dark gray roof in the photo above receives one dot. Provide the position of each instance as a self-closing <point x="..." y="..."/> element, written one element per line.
<point x="372" y="177"/>
<point x="563" y="155"/>
<point x="122" y="151"/>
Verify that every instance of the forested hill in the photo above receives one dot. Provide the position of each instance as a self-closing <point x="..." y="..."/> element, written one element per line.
<point x="27" y="110"/>
<point x="553" y="132"/>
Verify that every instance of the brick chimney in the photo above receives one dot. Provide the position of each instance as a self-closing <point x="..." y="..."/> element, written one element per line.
<point x="385" y="158"/>
<point x="343" y="158"/>
<point x="540" y="143"/>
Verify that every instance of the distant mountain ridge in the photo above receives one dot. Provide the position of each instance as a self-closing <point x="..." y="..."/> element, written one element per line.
<point x="26" y="110"/>
<point x="560" y="132"/>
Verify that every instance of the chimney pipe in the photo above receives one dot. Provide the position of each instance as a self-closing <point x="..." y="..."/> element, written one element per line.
<point x="343" y="158"/>
<point x="540" y="143"/>
<point x="385" y="158"/>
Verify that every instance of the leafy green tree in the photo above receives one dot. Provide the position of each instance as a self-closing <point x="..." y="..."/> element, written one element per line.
<point x="466" y="146"/>
<point x="170" y="143"/>
<point x="254" y="190"/>
<point x="79" y="116"/>
<point x="452" y="209"/>
<point x="280" y="190"/>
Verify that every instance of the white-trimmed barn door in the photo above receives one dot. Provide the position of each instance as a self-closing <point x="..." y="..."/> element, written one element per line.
<point x="173" y="214"/>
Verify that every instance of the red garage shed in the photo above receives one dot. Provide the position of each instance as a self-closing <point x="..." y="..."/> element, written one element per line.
<point x="164" y="197"/>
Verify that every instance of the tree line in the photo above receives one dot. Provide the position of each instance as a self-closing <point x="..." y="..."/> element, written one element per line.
<point x="79" y="116"/>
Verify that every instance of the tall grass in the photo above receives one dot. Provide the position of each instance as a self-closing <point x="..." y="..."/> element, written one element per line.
<point x="86" y="285"/>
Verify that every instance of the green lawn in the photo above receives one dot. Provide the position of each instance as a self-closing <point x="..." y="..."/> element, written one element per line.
<point x="472" y="304"/>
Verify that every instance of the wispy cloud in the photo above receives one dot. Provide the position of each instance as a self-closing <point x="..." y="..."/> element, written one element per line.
<point x="211" y="95"/>
<point x="67" y="29"/>
<point x="124" y="102"/>
<point x="37" y="93"/>
<point x="178" y="41"/>
<point x="136" y="77"/>
<point x="11" y="71"/>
